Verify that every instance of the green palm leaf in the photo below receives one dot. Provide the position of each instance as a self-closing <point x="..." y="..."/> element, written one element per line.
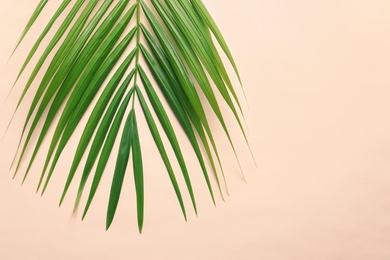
<point x="97" y="42"/>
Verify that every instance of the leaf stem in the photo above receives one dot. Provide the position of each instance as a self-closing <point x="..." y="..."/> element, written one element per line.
<point x="137" y="45"/>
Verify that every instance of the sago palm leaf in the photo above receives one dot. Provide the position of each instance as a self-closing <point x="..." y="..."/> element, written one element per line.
<point x="127" y="43"/>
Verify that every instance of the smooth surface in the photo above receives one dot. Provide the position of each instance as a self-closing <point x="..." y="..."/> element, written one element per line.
<point x="316" y="74"/>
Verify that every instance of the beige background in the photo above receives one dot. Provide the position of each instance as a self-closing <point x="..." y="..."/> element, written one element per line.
<point x="317" y="78"/>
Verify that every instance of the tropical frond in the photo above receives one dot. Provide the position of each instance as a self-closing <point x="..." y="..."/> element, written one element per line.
<point x="107" y="55"/>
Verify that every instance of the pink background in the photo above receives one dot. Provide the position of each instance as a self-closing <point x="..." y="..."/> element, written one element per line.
<point x="316" y="74"/>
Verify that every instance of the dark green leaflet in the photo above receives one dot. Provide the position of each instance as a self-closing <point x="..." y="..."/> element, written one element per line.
<point x="160" y="145"/>
<point x="138" y="174"/>
<point x="120" y="168"/>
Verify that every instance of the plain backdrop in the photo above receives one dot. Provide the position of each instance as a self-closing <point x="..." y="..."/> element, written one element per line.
<point x="316" y="76"/>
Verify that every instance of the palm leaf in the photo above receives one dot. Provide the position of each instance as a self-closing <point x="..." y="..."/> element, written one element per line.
<point x="96" y="43"/>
